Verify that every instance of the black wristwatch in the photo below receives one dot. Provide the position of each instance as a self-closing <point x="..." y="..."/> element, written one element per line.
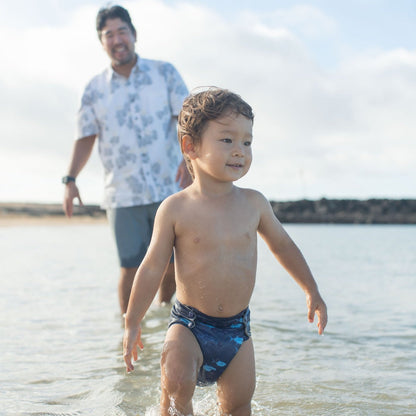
<point x="67" y="179"/>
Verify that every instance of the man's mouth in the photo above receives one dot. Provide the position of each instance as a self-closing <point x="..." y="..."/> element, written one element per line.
<point x="119" y="49"/>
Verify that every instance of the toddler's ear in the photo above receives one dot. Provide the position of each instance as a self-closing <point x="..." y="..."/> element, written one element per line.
<point x="188" y="147"/>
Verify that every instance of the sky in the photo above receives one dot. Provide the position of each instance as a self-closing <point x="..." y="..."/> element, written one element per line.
<point x="332" y="85"/>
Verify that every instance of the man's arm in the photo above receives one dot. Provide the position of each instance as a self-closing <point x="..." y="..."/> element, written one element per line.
<point x="183" y="176"/>
<point x="80" y="154"/>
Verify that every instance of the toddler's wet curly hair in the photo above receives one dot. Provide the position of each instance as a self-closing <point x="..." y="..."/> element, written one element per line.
<point x="209" y="104"/>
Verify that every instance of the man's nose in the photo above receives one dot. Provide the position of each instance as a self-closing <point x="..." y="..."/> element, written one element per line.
<point x="116" y="39"/>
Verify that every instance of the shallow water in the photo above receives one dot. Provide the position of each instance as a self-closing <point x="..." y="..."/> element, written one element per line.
<point x="61" y="332"/>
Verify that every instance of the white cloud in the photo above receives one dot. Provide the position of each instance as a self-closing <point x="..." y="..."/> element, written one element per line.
<point x="305" y="20"/>
<point x="347" y="131"/>
<point x="57" y="54"/>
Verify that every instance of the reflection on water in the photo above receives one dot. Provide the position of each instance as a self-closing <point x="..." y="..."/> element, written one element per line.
<point x="61" y="334"/>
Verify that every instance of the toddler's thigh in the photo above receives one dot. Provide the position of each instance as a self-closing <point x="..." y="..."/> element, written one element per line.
<point x="180" y="361"/>
<point x="237" y="384"/>
<point x="181" y="355"/>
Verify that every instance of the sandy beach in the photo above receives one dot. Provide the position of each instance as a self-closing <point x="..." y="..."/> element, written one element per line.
<point x="27" y="214"/>
<point x="21" y="220"/>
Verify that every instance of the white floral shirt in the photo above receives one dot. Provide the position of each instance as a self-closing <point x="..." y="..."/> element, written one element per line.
<point x="135" y="121"/>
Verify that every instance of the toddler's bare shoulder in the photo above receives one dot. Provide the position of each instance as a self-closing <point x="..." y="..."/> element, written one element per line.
<point x="173" y="204"/>
<point x="255" y="197"/>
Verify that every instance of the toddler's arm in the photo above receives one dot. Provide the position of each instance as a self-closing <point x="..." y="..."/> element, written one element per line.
<point x="147" y="281"/>
<point x="291" y="258"/>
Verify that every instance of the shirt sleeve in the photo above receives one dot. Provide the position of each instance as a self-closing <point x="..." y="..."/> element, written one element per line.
<point x="177" y="89"/>
<point x="87" y="121"/>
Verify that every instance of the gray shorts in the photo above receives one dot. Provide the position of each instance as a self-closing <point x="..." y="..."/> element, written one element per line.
<point x="132" y="229"/>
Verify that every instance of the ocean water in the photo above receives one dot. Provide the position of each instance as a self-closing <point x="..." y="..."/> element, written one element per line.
<point x="61" y="333"/>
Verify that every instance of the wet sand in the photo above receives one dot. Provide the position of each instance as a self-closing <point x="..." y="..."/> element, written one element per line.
<point x="26" y="214"/>
<point x="21" y="220"/>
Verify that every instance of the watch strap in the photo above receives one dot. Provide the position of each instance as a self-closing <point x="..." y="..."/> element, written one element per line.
<point x="67" y="179"/>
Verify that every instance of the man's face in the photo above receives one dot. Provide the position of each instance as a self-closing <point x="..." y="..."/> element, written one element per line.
<point x="118" y="41"/>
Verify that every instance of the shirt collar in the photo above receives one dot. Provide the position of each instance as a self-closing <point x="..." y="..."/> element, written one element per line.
<point x="111" y="74"/>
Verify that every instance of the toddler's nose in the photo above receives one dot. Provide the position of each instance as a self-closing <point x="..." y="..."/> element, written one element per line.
<point x="238" y="151"/>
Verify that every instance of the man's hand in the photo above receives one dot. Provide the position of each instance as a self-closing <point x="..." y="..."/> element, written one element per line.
<point x="183" y="176"/>
<point x="71" y="192"/>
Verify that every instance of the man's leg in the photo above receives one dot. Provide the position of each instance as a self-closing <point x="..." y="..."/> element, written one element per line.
<point x="166" y="290"/>
<point x="167" y="286"/>
<point x="132" y="229"/>
<point x="125" y="284"/>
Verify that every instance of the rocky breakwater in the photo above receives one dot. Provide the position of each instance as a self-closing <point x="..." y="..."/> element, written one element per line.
<point x="337" y="211"/>
<point x="347" y="211"/>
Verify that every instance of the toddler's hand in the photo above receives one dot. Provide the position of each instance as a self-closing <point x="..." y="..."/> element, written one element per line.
<point x="132" y="340"/>
<point x="316" y="305"/>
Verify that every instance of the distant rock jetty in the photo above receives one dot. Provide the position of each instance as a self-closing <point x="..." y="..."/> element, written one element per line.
<point x="347" y="211"/>
<point x="334" y="211"/>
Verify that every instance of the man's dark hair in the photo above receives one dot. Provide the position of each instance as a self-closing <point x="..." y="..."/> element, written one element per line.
<point x="113" y="12"/>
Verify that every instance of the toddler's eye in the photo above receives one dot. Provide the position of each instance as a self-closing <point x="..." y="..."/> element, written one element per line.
<point x="226" y="140"/>
<point x="247" y="143"/>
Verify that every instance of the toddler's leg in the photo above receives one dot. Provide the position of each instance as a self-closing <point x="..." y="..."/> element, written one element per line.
<point x="181" y="359"/>
<point x="236" y="385"/>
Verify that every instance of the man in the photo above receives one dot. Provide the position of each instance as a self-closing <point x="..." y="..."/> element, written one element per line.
<point x="132" y="109"/>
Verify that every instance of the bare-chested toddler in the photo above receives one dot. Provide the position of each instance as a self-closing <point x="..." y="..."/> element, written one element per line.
<point x="212" y="226"/>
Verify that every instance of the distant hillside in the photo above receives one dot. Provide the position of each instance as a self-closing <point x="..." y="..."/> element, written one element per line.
<point x="336" y="211"/>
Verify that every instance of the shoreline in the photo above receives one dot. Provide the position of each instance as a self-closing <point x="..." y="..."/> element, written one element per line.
<point x="322" y="211"/>
<point x="20" y="213"/>
<point x="27" y="220"/>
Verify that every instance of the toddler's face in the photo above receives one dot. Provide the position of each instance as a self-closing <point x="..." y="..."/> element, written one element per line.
<point x="225" y="148"/>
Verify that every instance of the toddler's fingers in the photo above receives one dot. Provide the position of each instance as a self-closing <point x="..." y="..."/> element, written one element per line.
<point x="311" y="314"/>
<point x="127" y="361"/>
<point x="322" y="320"/>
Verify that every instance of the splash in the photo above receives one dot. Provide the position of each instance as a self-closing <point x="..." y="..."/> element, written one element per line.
<point x="204" y="405"/>
<point x="173" y="411"/>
